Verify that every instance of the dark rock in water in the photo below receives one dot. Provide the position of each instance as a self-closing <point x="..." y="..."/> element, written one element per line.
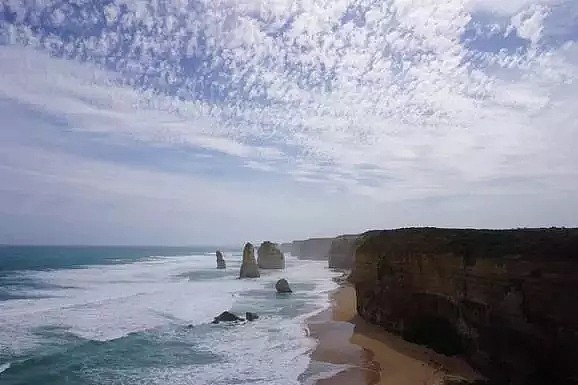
<point x="270" y="257"/>
<point x="282" y="286"/>
<point x="220" y="260"/>
<point x="251" y="316"/>
<point x="227" y="316"/>
<point x="249" y="268"/>
<point x="189" y="326"/>
<point x="505" y="299"/>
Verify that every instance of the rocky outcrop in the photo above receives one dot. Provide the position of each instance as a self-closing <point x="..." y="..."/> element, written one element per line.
<point x="227" y="316"/>
<point x="314" y="248"/>
<point x="270" y="257"/>
<point x="282" y="286"/>
<point x="505" y="299"/>
<point x="342" y="251"/>
<point x="249" y="268"/>
<point x="220" y="260"/>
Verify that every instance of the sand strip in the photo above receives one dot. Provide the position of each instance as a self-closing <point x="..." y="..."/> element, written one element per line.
<point x="375" y="356"/>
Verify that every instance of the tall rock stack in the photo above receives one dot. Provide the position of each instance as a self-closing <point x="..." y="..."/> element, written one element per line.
<point x="249" y="268"/>
<point x="270" y="257"/>
<point x="220" y="260"/>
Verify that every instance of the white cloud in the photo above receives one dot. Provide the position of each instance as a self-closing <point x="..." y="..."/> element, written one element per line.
<point x="508" y="8"/>
<point x="89" y="100"/>
<point x="380" y="99"/>
<point x="529" y="23"/>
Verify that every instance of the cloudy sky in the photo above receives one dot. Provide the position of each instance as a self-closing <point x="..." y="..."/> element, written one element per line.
<point x="219" y="121"/>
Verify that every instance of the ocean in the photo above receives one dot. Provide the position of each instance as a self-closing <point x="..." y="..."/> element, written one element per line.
<point x="123" y="315"/>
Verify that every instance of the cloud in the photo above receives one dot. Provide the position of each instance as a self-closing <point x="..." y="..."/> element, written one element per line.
<point x="386" y="101"/>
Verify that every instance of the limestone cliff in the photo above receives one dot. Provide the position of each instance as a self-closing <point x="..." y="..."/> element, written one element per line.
<point x="286" y="247"/>
<point x="314" y="248"/>
<point x="249" y="268"/>
<point x="341" y="254"/>
<point x="506" y="299"/>
<point x="270" y="257"/>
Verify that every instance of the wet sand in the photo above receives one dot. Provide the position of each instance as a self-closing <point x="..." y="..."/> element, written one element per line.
<point x="375" y="356"/>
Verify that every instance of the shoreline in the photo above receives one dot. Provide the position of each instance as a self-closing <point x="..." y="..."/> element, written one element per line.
<point x="368" y="355"/>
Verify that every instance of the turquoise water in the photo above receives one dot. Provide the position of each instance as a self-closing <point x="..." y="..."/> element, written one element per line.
<point x="109" y="315"/>
<point x="17" y="258"/>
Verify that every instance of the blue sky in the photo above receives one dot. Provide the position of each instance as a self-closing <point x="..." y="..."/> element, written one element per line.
<point x="195" y="122"/>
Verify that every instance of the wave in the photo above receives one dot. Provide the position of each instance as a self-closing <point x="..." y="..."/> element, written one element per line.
<point x="149" y="303"/>
<point x="4" y="367"/>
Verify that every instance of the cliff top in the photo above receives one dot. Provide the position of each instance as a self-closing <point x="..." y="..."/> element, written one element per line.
<point x="551" y="243"/>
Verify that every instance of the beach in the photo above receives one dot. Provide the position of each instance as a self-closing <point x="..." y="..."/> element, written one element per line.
<point x="374" y="356"/>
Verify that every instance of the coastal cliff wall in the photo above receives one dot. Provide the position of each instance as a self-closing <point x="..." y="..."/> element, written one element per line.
<point x="286" y="247"/>
<point x="314" y="248"/>
<point x="341" y="254"/>
<point x="505" y="299"/>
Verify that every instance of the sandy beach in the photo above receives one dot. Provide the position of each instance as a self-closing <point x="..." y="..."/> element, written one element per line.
<point x="375" y="356"/>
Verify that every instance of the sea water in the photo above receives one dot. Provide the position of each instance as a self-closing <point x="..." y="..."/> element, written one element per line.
<point x="142" y="316"/>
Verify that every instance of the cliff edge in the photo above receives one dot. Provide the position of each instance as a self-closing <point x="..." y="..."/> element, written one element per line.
<point x="341" y="254"/>
<point x="504" y="299"/>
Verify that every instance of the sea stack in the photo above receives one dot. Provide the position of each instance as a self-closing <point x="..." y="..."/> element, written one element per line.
<point x="249" y="268"/>
<point x="220" y="260"/>
<point x="270" y="257"/>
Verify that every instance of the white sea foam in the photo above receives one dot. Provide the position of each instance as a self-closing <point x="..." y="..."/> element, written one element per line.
<point x="4" y="367"/>
<point x="108" y="302"/>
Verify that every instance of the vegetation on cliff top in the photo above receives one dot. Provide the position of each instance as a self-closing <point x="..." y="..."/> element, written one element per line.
<point x="551" y="243"/>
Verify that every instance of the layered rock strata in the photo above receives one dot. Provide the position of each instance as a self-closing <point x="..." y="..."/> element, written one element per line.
<point x="505" y="299"/>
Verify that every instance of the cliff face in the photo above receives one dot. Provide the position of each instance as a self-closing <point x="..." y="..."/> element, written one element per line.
<point x="341" y="254"/>
<point x="504" y="299"/>
<point x="314" y="248"/>
<point x="286" y="247"/>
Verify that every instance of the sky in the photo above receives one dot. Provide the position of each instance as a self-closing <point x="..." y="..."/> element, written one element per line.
<point x="220" y="121"/>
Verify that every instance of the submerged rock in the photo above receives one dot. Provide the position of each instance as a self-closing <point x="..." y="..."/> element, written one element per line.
<point x="251" y="316"/>
<point x="249" y="268"/>
<point x="282" y="286"/>
<point x="270" y="257"/>
<point x="227" y="316"/>
<point x="221" y="264"/>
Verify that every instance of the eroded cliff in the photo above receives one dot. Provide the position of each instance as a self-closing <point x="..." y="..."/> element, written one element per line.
<point x="341" y="254"/>
<point x="313" y="248"/>
<point x="505" y="299"/>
